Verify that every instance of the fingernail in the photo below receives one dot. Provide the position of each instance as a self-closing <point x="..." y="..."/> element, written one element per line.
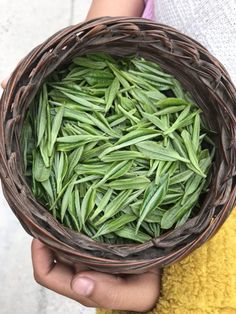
<point x="83" y="286"/>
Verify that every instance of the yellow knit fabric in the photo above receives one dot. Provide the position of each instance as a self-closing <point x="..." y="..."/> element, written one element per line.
<point x="204" y="282"/>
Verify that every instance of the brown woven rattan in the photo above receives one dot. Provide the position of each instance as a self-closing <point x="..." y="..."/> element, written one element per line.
<point x="198" y="71"/>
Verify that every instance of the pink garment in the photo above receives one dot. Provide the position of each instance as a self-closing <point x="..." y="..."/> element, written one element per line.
<point x="149" y="12"/>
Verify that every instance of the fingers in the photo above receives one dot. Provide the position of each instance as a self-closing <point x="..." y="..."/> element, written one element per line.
<point x="94" y="289"/>
<point x="134" y="292"/>
<point x="54" y="276"/>
<point x="45" y="270"/>
<point x="4" y="83"/>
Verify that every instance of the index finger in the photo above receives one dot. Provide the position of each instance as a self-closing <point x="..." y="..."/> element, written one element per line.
<point x="54" y="276"/>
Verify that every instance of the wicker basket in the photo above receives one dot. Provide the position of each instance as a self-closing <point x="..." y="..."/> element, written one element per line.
<point x="198" y="71"/>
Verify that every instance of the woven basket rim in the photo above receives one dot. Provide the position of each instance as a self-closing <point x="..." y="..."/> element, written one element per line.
<point x="173" y="50"/>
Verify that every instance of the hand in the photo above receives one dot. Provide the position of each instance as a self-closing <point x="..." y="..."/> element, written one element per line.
<point x="95" y="289"/>
<point x="4" y="83"/>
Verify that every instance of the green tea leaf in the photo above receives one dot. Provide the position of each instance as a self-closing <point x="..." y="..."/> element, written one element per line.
<point x="117" y="73"/>
<point x="65" y="200"/>
<point x="114" y="206"/>
<point x="129" y="115"/>
<point x="73" y="160"/>
<point x="40" y="171"/>
<point x="169" y="110"/>
<point x="131" y="138"/>
<point x="175" y="213"/>
<point x="152" y="198"/>
<point x="111" y="93"/>
<point x="94" y="169"/>
<point x="151" y="77"/>
<point x="43" y="148"/>
<point x="191" y="153"/>
<point x="84" y="102"/>
<point x="42" y="114"/>
<point x="155" y="120"/>
<point x="102" y="124"/>
<point x="150" y="67"/>
<point x="156" y="151"/>
<point x="48" y="189"/>
<point x="116" y="170"/>
<point x="78" y="207"/>
<point x="169" y="102"/>
<point x="88" y="63"/>
<point x="61" y="171"/>
<point x="177" y="123"/>
<point x="122" y="155"/>
<point x="103" y="203"/>
<point x="115" y="224"/>
<point x="184" y="218"/>
<point x="139" y="182"/>
<point x="80" y="138"/>
<point x="181" y="177"/>
<point x="88" y="204"/>
<point x="196" y="132"/>
<point x="88" y="178"/>
<point x="56" y="125"/>
<point x="128" y="232"/>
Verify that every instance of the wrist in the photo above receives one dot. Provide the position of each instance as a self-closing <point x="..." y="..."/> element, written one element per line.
<point x="130" y="8"/>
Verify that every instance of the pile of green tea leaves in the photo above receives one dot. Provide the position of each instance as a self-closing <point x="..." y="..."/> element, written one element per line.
<point x="116" y="149"/>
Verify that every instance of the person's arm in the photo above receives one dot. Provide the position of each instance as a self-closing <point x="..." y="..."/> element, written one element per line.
<point x="100" y="8"/>
<point x="115" y="8"/>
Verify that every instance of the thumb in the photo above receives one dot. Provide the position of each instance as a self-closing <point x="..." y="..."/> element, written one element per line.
<point x="132" y="292"/>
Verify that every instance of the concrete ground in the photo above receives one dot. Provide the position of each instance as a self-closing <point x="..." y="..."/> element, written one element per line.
<point x="23" y="25"/>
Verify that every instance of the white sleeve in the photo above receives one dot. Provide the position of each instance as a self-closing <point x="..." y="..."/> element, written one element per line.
<point x="211" y="22"/>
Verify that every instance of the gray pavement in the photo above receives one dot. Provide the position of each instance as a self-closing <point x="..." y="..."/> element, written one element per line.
<point x="23" y="25"/>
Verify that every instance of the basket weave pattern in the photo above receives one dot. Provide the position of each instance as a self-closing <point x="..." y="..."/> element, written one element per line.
<point x="197" y="70"/>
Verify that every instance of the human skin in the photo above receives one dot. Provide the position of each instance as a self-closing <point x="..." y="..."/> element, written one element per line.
<point x="115" y="8"/>
<point x="91" y="288"/>
<point x="137" y="293"/>
<point x="100" y="8"/>
<point x="4" y="83"/>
